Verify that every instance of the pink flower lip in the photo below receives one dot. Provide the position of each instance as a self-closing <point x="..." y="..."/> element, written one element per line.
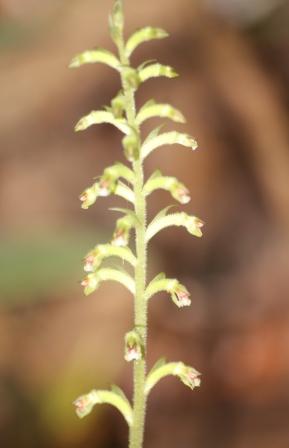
<point x="183" y="195"/>
<point x="84" y="282"/>
<point x="80" y="404"/>
<point x="83" y="197"/>
<point x="183" y="298"/>
<point x="89" y="263"/>
<point x="132" y="354"/>
<point x="119" y="239"/>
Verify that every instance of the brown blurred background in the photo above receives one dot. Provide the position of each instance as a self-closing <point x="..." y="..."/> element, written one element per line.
<point x="233" y="56"/>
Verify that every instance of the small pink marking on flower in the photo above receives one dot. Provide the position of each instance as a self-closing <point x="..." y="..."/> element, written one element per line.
<point x="85" y="282"/>
<point x="199" y="223"/>
<point x="104" y="188"/>
<point x="183" y="195"/>
<point x="83" y="197"/>
<point x="193" y="378"/>
<point x="89" y="263"/>
<point x="119" y="239"/>
<point x="132" y="354"/>
<point x="80" y="403"/>
<point x="183" y="298"/>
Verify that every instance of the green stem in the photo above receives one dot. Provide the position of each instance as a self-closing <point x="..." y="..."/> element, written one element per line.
<point x="136" y="434"/>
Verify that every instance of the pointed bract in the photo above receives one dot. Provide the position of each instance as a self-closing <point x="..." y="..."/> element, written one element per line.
<point x="143" y="35"/>
<point x="93" y="56"/>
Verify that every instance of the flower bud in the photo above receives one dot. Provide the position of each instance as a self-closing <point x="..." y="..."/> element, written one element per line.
<point x="116" y="22"/>
<point x="89" y="196"/>
<point x="117" y="105"/>
<point x="131" y="145"/>
<point x="90" y="284"/>
<point x="84" y="404"/>
<point x="131" y="77"/>
<point x="134" y="347"/>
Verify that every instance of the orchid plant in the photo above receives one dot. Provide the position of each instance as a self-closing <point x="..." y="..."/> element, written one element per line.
<point x="128" y="182"/>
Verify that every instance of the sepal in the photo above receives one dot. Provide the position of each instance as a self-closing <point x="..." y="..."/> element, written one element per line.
<point x="156" y="70"/>
<point x="167" y="138"/>
<point x="188" y="375"/>
<point x="152" y="109"/>
<point x="143" y="35"/>
<point x="134" y="346"/>
<point x="99" y="117"/>
<point x="85" y="403"/>
<point x="93" y="56"/>
<point x="191" y="223"/>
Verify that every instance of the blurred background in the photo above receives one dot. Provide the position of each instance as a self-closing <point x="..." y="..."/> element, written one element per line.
<point x="55" y="344"/>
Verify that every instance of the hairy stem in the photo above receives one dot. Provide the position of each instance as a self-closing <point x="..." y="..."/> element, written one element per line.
<point x="140" y="306"/>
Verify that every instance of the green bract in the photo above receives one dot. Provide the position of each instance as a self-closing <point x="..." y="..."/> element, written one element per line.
<point x="156" y="70"/>
<point x="143" y="35"/>
<point x="152" y="109"/>
<point x="98" y="55"/>
<point x="168" y="138"/>
<point x="129" y="183"/>
<point x="98" y="117"/>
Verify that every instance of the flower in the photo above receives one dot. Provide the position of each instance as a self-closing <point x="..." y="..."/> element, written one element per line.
<point x="121" y="234"/>
<point x="188" y="375"/>
<point x="132" y="354"/>
<point x="194" y="225"/>
<point x="183" y="296"/>
<point x="179" y="293"/>
<point x="89" y="263"/>
<point x="120" y="238"/>
<point x="90" y="283"/>
<point x="89" y="196"/>
<point x="84" y="404"/>
<point x="181" y="193"/>
<point x="104" y="187"/>
<point x="133" y="346"/>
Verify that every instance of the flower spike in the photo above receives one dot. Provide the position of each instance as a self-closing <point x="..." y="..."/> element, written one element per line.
<point x="130" y="183"/>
